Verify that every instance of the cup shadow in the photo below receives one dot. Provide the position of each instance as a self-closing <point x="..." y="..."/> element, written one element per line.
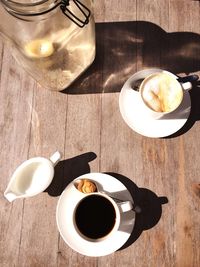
<point x="148" y="208"/>
<point x="67" y="170"/>
<point x="147" y="205"/>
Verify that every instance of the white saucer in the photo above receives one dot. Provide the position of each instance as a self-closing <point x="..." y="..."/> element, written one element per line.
<point x="135" y="115"/>
<point x="64" y="217"/>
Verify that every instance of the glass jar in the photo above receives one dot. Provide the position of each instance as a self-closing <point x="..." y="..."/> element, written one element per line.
<point x="53" y="40"/>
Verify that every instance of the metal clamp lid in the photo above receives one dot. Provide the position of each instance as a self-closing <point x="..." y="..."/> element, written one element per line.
<point x="83" y="9"/>
<point x="80" y="21"/>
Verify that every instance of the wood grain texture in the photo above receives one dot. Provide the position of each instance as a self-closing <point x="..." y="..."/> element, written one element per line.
<point x="84" y="123"/>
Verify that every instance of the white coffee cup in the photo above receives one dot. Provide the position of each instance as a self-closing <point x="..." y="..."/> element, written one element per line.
<point x="32" y="177"/>
<point x="98" y="216"/>
<point x="161" y="93"/>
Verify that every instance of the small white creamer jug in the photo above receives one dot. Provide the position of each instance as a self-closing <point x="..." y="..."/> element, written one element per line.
<point x="32" y="177"/>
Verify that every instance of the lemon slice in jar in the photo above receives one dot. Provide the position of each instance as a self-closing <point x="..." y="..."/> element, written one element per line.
<point x="39" y="48"/>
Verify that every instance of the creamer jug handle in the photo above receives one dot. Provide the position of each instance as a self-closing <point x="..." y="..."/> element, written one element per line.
<point x="55" y="158"/>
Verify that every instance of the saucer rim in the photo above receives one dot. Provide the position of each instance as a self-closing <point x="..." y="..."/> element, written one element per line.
<point x="147" y="133"/>
<point x="99" y="245"/>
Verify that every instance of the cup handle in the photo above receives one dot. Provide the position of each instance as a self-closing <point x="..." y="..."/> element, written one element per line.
<point x="190" y="78"/>
<point x="55" y="158"/>
<point x="125" y="206"/>
<point x="187" y="86"/>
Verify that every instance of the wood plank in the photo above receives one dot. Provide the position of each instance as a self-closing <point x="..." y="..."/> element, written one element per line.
<point x="114" y="147"/>
<point x="82" y="147"/>
<point x="39" y="230"/>
<point x="16" y="93"/>
<point x="135" y="157"/>
<point x="184" y="37"/>
<point x="155" y="172"/>
<point x="186" y="190"/>
<point x="110" y="11"/>
<point x="152" y="23"/>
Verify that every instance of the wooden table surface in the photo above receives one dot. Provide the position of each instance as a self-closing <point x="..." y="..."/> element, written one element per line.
<point x="85" y="124"/>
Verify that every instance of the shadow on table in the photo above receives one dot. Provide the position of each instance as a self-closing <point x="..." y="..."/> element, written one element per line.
<point x="67" y="170"/>
<point x="122" y="46"/>
<point x="149" y="204"/>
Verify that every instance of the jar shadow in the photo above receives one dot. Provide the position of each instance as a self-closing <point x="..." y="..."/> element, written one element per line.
<point x="120" y="44"/>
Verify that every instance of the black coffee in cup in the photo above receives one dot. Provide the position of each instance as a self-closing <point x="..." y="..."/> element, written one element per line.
<point x="95" y="216"/>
